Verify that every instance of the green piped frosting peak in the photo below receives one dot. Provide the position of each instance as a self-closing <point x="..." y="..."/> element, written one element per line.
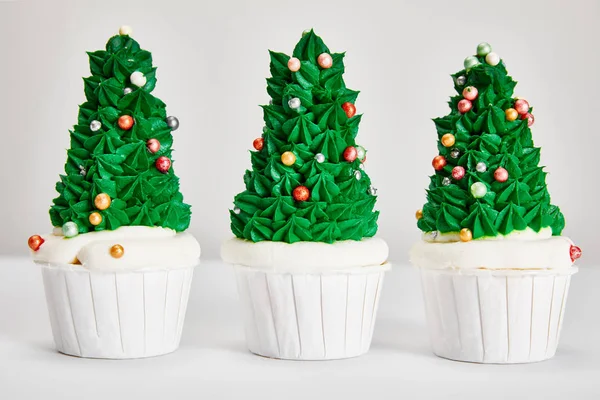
<point x="117" y="161"/>
<point x="486" y="134"/>
<point x="341" y="201"/>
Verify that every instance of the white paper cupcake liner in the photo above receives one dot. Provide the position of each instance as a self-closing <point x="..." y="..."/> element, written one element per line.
<point x="116" y="315"/>
<point x="313" y="316"/>
<point x="495" y="316"/>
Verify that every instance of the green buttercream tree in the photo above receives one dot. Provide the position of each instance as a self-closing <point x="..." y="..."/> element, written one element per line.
<point x="306" y="181"/>
<point x="120" y="149"/>
<point x="488" y="179"/>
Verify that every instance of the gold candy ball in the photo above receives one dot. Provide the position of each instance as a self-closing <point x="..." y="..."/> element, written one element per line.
<point x="466" y="235"/>
<point x="288" y="158"/>
<point x="419" y="214"/>
<point x="117" y="251"/>
<point x="511" y="114"/>
<point x="448" y="140"/>
<point x="102" y="201"/>
<point x="95" y="218"/>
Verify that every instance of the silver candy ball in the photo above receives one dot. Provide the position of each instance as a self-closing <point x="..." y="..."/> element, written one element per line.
<point x="70" y="229"/>
<point x="372" y="190"/>
<point x="446" y="181"/>
<point x="481" y="167"/>
<point x="271" y="102"/>
<point x="357" y="175"/>
<point x="127" y="90"/>
<point x="236" y="210"/>
<point x="82" y="170"/>
<point x="362" y="166"/>
<point x="95" y="125"/>
<point x="320" y="158"/>
<point x="461" y="80"/>
<point x="454" y="153"/>
<point x="173" y="122"/>
<point x="294" y="103"/>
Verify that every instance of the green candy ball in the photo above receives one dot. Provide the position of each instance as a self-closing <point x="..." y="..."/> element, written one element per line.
<point x="478" y="190"/>
<point x="470" y="62"/>
<point x="70" y="229"/>
<point x="483" y="49"/>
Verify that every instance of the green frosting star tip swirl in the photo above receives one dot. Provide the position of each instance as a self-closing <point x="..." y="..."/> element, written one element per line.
<point x="104" y="158"/>
<point x="487" y="134"/>
<point x="317" y="131"/>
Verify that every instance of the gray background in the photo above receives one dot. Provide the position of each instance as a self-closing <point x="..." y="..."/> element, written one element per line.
<point x="212" y="60"/>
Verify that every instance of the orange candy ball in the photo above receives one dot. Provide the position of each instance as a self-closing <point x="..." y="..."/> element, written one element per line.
<point x="419" y="214"/>
<point x="301" y="193"/>
<point x="125" y="122"/>
<point x="439" y="162"/>
<point x="448" y="140"/>
<point x="35" y="242"/>
<point x="466" y="235"/>
<point x="288" y="158"/>
<point x="258" y="143"/>
<point x="511" y="114"/>
<point x="102" y="201"/>
<point x="95" y="218"/>
<point x="117" y="251"/>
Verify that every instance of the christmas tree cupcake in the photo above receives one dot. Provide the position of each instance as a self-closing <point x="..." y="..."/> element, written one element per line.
<point x="309" y="270"/>
<point x="118" y="266"/>
<point x="495" y="268"/>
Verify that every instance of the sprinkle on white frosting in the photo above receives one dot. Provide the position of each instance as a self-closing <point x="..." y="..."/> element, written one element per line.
<point x="305" y="257"/>
<point x="519" y="250"/>
<point x="145" y="248"/>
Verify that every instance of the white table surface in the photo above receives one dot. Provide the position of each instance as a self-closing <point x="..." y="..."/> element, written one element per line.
<point x="213" y="363"/>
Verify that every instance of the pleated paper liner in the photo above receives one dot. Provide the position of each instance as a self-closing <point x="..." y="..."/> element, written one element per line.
<point x="310" y="316"/>
<point x="116" y="314"/>
<point x="495" y="316"/>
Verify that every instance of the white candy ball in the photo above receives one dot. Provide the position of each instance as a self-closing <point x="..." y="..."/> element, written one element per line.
<point x="492" y="59"/>
<point x="481" y="167"/>
<point x="125" y="30"/>
<point x="294" y="103"/>
<point x="320" y="158"/>
<point x="357" y="175"/>
<point x="95" y="125"/>
<point x="478" y="190"/>
<point x="138" y="79"/>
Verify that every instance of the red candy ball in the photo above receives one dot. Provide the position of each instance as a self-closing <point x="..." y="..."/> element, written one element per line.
<point x="464" y="106"/>
<point x="349" y="109"/>
<point x="458" y="172"/>
<point x="125" y="122"/>
<point x="153" y="145"/>
<point x="501" y="174"/>
<point x="301" y="193"/>
<point x="529" y="117"/>
<point x="35" y="242"/>
<point x="163" y="164"/>
<point x="522" y="106"/>
<point x="470" y="93"/>
<point x="258" y="143"/>
<point x="350" y="153"/>
<point x="439" y="162"/>
<point x="574" y="252"/>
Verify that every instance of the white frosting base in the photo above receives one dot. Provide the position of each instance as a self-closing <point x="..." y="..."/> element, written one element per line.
<point x="520" y="250"/>
<point x="302" y="257"/>
<point x="145" y="248"/>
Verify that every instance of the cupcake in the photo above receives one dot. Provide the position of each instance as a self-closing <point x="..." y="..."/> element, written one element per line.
<point x="118" y="265"/>
<point x="495" y="269"/>
<point x="308" y="268"/>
